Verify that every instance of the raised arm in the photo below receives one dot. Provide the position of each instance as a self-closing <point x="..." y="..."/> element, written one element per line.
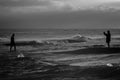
<point x="104" y="33"/>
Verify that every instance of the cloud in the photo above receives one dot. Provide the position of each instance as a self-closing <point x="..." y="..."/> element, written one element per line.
<point x="74" y="19"/>
<point x="115" y="6"/>
<point x="30" y="6"/>
<point x="27" y="6"/>
<point x="93" y="4"/>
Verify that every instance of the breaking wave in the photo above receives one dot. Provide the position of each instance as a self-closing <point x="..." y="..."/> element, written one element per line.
<point x="73" y="39"/>
<point x="3" y="39"/>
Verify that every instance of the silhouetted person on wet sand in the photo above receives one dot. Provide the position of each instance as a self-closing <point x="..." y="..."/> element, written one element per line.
<point x="108" y="38"/>
<point x="12" y="42"/>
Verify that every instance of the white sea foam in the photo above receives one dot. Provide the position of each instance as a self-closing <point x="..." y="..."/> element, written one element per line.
<point x="4" y="39"/>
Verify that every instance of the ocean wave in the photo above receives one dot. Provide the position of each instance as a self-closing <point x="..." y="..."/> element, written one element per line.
<point x="117" y="37"/>
<point x="74" y="39"/>
<point x="99" y="37"/>
<point x="3" y="39"/>
<point x="60" y="41"/>
<point x="25" y="43"/>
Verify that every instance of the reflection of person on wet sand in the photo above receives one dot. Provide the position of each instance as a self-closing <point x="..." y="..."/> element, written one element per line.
<point x="108" y="37"/>
<point x="12" y="42"/>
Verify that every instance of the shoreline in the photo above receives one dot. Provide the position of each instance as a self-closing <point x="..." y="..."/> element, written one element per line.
<point x="61" y="65"/>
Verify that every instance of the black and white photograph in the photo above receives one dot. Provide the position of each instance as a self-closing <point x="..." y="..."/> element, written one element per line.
<point x="59" y="39"/>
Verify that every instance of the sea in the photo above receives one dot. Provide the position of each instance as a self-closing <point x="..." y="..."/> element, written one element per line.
<point x="40" y="35"/>
<point x="75" y="38"/>
<point x="43" y="34"/>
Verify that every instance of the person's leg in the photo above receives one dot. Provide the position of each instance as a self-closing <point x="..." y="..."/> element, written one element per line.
<point x="10" y="48"/>
<point x="108" y="45"/>
<point x="14" y="47"/>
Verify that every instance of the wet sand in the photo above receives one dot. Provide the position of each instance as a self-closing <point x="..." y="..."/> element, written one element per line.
<point x="61" y="65"/>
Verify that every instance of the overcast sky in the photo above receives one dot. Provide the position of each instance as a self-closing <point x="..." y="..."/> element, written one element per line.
<point x="59" y="13"/>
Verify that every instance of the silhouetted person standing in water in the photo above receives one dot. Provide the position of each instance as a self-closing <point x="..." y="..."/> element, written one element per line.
<point x="108" y="38"/>
<point x="12" y="42"/>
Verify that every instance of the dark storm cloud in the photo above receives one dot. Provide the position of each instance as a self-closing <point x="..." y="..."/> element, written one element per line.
<point x="32" y="6"/>
<point x="37" y="6"/>
<point x="85" y="19"/>
<point x="59" y="14"/>
<point x="17" y="3"/>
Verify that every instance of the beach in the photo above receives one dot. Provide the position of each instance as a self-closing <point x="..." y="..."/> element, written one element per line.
<point x="59" y="39"/>
<point x="83" y="64"/>
<point x="72" y="58"/>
